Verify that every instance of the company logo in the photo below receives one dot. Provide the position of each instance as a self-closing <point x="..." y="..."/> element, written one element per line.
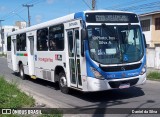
<point x="122" y="68"/>
<point x="58" y="57"/>
<point x="73" y="24"/>
<point x="6" y="111"/>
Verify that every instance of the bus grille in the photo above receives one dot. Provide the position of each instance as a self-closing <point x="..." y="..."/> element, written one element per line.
<point x="116" y="84"/>
<point x="120" y="68"/>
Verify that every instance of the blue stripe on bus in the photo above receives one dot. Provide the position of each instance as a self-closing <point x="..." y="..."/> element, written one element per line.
<point x="79" y="15"/>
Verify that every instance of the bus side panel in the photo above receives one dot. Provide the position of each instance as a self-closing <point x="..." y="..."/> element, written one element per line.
<point x="9" y="59"/>
<point x="46" y="62"/>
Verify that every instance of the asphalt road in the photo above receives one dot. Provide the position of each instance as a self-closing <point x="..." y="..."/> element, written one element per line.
<point x="144" y="96"/>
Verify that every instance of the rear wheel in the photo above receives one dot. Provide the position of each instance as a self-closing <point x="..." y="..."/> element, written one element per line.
<point x="63" y="83"/>
<point x="21" y="72"/>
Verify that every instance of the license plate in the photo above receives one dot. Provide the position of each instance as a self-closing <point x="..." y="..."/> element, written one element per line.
<point x="122" y="86"/>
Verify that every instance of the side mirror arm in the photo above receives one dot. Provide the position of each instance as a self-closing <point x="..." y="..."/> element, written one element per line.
<point x="144" y="38"/>
<point x="83" y="37"/>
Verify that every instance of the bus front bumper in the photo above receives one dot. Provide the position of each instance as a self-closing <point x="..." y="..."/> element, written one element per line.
<point x="94" y="84"/>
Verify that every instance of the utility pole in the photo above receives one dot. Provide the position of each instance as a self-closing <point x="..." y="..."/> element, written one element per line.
<point x="29" y="17"/>
<point x="2" y="37"/>
<point x="93" y="4"/>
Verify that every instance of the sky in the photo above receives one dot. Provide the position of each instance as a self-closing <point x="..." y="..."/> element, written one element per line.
<point x="44" y="10"/>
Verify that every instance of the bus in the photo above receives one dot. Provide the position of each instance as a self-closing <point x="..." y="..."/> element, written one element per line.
<point x="88" y="51"/>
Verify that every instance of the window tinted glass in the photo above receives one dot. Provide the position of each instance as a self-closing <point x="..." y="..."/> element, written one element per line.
<point x="9" y="43"/>
<point x="157" y="24"/>
<point x="42" y="39"/>
<point x="22" y="42"/>
<point x="56" y="38"/>
<point x="145" y="25"/>
<point x="18" y="43"/>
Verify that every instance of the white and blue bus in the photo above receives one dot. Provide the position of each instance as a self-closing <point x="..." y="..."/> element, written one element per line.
<point x="88" y="51"/>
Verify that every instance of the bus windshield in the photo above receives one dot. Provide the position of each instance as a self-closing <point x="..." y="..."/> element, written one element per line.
<point x="113" y="44"/>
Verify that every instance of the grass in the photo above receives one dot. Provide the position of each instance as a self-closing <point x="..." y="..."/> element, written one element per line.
<point x="154" y="75"/>
<point x="2" y="54"/>
<point x="12" y="97"/>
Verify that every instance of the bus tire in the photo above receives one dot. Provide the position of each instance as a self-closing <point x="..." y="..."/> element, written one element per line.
<point x="21" y="72"/>
<point x="63" y="83"/>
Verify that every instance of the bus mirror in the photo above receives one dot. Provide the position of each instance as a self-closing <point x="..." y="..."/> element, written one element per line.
<point x="144" y="38"/>
<point x="83" y="36"/>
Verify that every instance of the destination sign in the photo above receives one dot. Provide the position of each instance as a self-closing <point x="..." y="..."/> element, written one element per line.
<point x="104" y="18"/>
<point x="111" y="18"/>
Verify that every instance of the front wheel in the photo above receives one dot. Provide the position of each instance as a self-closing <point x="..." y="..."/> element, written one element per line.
<point x="63" y="83"/>
<point x="21" y="72"/>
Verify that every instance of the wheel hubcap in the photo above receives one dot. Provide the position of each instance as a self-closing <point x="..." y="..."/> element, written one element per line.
<point x="63" y="81"/>
<point x="21" y="72"/>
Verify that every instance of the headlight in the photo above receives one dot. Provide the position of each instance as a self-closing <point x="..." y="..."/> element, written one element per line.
<point x="96" y="73"/>
<point x="143" y="70"/>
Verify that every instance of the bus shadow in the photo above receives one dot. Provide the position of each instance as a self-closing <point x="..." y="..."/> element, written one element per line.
<point x="100" y="96"/>
<point x="49" y="84"/>
<point x="110" y="95"/>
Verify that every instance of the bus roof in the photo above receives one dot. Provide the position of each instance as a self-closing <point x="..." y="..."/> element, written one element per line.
<point x="61" y="20"/>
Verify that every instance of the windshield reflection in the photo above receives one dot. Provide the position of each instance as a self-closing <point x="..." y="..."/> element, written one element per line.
<point x="115" y="44"/>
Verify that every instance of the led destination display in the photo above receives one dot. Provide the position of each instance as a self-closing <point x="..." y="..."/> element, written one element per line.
<point x="111" y="18"/>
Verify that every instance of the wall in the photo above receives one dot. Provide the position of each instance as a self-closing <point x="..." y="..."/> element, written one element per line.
<point x="155" y="33"/>
<point x="147" y="33"/>
<point x="153" y="57"/>
<point x="7" y="29"/>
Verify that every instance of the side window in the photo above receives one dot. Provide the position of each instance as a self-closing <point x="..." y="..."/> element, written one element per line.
<point x="70" y="43"/>
<point x="42" y="39"/>
<point x="9" y="43"/>
<point x="56" y="38"/>
<point x="18" y="43"/>
<point x="23" y="42"/>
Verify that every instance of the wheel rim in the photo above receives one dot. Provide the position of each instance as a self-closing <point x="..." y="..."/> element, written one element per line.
<point x="63" y="81"/>
<point x="21" y="73"/>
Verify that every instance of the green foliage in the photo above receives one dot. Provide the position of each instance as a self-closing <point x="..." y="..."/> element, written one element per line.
<point x="154" y="75"/>
<point x="2" y="54"/>
<point x="12" y="97"/>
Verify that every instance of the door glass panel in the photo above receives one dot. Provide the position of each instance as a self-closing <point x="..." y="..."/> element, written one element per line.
<point x="72" y="71"/>
<point x="14" y="46"/>
<point x="77" y="43"/>
<point x="79" y="72"/>
<point x="70" y="44"/>
<point x="31" y="38"/>
<point x="74" y="57"/>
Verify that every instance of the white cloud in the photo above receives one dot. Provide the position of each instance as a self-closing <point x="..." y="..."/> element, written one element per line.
<point x="2" y="8"/>
<point x="38" y="19"/>
<point x="50" y="1"/>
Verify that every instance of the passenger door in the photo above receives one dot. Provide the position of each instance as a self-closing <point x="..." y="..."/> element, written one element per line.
<point x="14" y="57"/>
<point x="31" y="58"/>
<point x="74" y="44"/>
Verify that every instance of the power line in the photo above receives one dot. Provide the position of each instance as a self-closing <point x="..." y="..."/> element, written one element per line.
<point x="29" y="17"/>
<point x="20" y="9"/>
<point x="118" y="5"/>
<point x="151" y="6"/>
<point x="93" y="4"/>
<point x="2" y="37"/>
<point x="87" y="4"/>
